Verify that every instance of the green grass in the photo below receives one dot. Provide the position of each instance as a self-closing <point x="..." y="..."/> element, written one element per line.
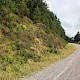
<point x="16" y="71"/>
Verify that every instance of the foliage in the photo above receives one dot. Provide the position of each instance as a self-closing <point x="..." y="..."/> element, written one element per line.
<point x="68" y="39"/>
<point x="37" y="15"/>
<point x="77" y="37"/>
<point x="28" y="30"/>
<point x="37" y="11"/>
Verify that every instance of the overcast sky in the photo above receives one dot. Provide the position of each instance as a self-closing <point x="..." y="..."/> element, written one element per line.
<point x="68" y="11"/>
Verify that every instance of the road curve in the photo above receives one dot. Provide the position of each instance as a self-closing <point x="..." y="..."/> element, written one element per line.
<point x="65" y="69"/>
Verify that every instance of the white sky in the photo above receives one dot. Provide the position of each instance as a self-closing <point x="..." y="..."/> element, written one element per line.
<point x="68" y="11"/>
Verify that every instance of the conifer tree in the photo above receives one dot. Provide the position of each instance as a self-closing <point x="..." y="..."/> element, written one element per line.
<point x="37" y="15"/>
<point x="77" y="37"/>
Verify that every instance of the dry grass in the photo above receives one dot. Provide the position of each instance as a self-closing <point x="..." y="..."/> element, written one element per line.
<point x="30" y="67"/>
<point x="47" y="59"/>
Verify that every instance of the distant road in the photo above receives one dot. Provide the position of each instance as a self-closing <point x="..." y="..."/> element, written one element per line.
<point x="65" y="69"/>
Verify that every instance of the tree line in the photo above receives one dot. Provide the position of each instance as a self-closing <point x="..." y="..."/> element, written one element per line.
<point x="37" y="11"/>
<point x="75" y="39"/>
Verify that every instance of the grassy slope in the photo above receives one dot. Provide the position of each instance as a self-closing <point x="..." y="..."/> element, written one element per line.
<point x="24" y="44"/>
<point x="48" y="58"/>
<point x="31" y="66"/>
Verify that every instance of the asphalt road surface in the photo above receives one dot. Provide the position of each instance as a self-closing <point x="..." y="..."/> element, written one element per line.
<point x="65" y="69"/>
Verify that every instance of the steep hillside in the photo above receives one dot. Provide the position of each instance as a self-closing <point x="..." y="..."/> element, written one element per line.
<point x="27" y="30"/>
<point x="17" y="30"/>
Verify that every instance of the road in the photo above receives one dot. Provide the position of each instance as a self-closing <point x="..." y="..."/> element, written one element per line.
<point x="65" y="69"/>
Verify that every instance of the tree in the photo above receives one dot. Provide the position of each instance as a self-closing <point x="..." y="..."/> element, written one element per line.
<point x="37" y="15"/>
<point x="77" y="37"/>
<point x="22" y="8"/>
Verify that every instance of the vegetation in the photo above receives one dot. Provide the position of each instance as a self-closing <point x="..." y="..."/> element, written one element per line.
<point x="17" y="70"/>
<point x="36" y="10"/>
<point x="28" y="31"/>
<point x="77" y="37"/>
